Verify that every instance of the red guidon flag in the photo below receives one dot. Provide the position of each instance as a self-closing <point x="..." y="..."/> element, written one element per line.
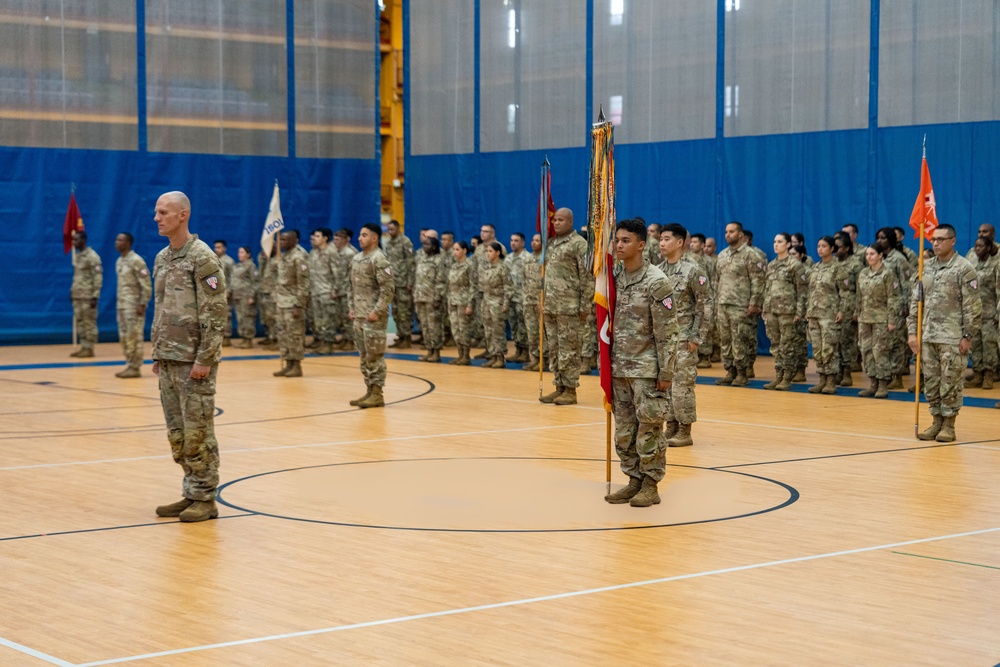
<point x="925" y="209"/>
<point x="72" y="223"/>
<point x="604" y="298"/>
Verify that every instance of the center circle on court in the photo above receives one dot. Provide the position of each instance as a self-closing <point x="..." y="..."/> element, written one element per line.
<point x="496" y="494"/>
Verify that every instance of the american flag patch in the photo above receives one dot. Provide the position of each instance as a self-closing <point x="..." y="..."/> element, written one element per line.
<point x="668" y="303"/>
<point x="212" y="281"/>
<point x="701" y="280"/>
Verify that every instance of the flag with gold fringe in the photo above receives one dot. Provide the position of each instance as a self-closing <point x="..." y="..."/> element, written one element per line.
<point x="601" y="222"/>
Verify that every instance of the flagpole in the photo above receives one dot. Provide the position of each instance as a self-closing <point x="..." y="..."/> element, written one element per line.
<point x="72" y="259"/>
<point x="920" y="313"/>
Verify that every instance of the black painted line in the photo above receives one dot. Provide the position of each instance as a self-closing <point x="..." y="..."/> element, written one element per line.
<point x="107" y="528"/>
<point x="947" y="560"/>
<point x="838" y="456"/>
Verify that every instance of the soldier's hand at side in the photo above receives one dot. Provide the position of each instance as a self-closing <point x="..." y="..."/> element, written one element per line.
<point x="199" y="372"/>
<point x="583" y="316"/>
<point x="93" y="303"/>
<point x="892" y="326"/>
<point x="156" y="368"/>
<point x="468" y="310"/>
<point x="840" y="317"/>
<point x="912" y="342"/>
<point x="251" y="301"/>
<point x="663" y="385"/>
<point x="140" y="310"/>
<point x="372" y="316"/>
<point x="350" y="314"/>
<point x="964" y="345"/>
<point x="296" y="312"/>
<point x="692" y="346"/>
<point x="753" y="310"/>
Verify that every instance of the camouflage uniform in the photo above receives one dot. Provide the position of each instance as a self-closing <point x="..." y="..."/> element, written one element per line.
<point x="645" y="333"/>
<point x="371" y="290"/>
<point x="691" y="300"/>
<point x="532" y="287"/>
<point x="829" y="292"/>
<point x="323" y="267"/>
<point x="268" y="286"/>
<point x="291" y="293"/>
<point x="741" y="285"/>
<point x="515" y="315"/>
<point x="879" y="304"/>
<point x="87" y="279"/>
<point x="447" y="261"/>
<point x="568" y="293"/>
<point x="227" y="267"/>
<point x="952" y="310"/>
<point x="461" y="295"/>
<point x="429" y="286"/>
<point x="479" y="261"/>
<point x="342" y="282"/>
<point x="848" y="347"/>
<point x="984" y="340"/>
<point x="497" y="288"/>
<point x="134" y="290"/>
<point x="900" y="357"/>
<point x="712" y="343"/>
<point x="785" y="290"/>
<point x="399" y="252"/>
<point x="188" y="322"/>
<point x="762" y="267"/>
<point x="244" y="289"/>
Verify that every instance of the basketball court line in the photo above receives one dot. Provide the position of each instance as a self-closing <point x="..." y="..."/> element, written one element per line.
<point x="497" y="605"/>
<point x="948" y="560"/>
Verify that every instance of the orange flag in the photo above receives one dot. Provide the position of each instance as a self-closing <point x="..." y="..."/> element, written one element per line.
<point x="72" y="223"/>
<point x="925" y="209"/>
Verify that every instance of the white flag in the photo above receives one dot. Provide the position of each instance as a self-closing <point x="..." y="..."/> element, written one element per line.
<point x="272" y="224"/>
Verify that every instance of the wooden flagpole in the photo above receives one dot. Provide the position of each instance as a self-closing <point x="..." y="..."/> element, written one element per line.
<point x="920" y="311"/>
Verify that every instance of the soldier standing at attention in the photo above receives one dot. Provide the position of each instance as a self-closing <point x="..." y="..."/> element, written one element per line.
<point x="87" y="278"/>
<point x="134" y="290"/>
<point x="369" y="293"/>
<point x="785" y="287"/>
<point x="245" y="282"/>
<point x="461" y="301"/>
<point x="691" y="300"/>
<point x="653" y="255"/>
<point x="227" y="265"/>
<point x="516" y="261"/>
<point x="984" y="341"/>
<point x="848" y="346"/>
<point x="399" y="251"/>
<point x="879" y="314"/>
<point x="188" y="321"/>
<point x="952" y="315"/>
<point x="829" y="292"/>
<point x="567" y="283"/>
<point x="762" y="268"/>
<point x="323" y="266"/>
<point x="697" y="247"/>
<point x="487" y="234"/>
<point x="429" y="287"/>
<point x="496" y="285"/>
<point x="343" y="252"/>
<point x="268" y="287"/>
<point x="645" y="339"/>
<point x="739" y="294"/>
<point x="532" y="287"/>
<point x="291" y="298"/>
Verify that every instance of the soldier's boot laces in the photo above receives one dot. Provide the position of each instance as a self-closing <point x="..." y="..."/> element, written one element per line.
<point x="750" y="372"/>
<point x="774" y="383"/>
<point x="361" y="398"/>
<point x="785" y="381"/>
<point x="434" y="357"/>
<point x="987" y="379"/>
<point x="883" y="389"/>
<point x="682" y="438"/>
<point x="174" y="509"/>
<point x="130" y="373"/>
<point x="800" y="375"/>
<point x="284" y="370"/>
<point x="671" y="429"/>
<point x="975" y="380"/>
<point x="818" y="387"/>
<point x="404" y="343"/>
<point x="846" y="380"/>
<point x="647" y="495"/>
<point x="947" y="432"/>
<point x="568" y="397"/>
<point x="375" y="398"/>
<point x="728" y="380"/>
<point x="932" y="431"/>
<point x="294" y="369"/>
<point x="464" y="359"/>
<point x="741" y="378"/>
<point x="831" y="384"/>
<point x="626" y="493"/>
<point x="549" y="398"/>
<point x="870" y="391"/>
<point x="200" y="510"/>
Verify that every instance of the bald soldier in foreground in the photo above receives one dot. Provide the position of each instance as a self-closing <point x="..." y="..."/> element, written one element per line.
<point x="190" y="314"/>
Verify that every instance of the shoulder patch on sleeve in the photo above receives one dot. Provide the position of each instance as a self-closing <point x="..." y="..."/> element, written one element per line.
<point x="206" y="268"/>
<point x="661" y="290"/>
<point x="974" y="284"/>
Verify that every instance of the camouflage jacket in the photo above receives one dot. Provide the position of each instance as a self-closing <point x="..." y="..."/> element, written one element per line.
<point x="372" y="285"/>
<point x="645" y="329"/>
<point x="741" y="278"/>
<point x="879" y="297"/>
<point x="497" y="287"/>
<point x="228" y="264"/>
<point x="431" y="281"/>
<point x="569" y="285"/>
<point x="952" y="307"/>
<point x="342" y="278"/>
<point x="532" y="278"/>
<point x="850" y="272"/>
<point x="245" y="280"/>
<point x="897" y="262"/>
<point x="829" y="284"/>
<point x="268" y="274"/>
<point x="653" y="255"/>
<point x="134" y="285"/>
<point x="692" y="298"/>
<point x="323" y="269"/>
<point x="190" y="312"/>
<point x="987" y="273"/>
<point x="479" y="261"/>
<point x="292" y="287"/>
<point x="515" y="262"/>
<point x="461" y="288"/>
<point x="399" y="252"/>
<point x="87" y="275"/>
<point x="786" y="287"/>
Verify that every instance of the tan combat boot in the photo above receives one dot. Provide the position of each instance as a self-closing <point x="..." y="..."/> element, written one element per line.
<point x="896" y="382"/>
<point x="931" y="431"/>
<point x="482" y="355"/>
<point x="785" y="381"/>
<point x="947" y="432"/>
<point x="974" y="380"/>
<point x="520" y="356"/>
<point x="800" y="375"/>
<point x="324" y="348"/>
<point x="774" y="383"/>
<point x="454" y="362"/>
<point x="703" y="361"/>
<point x="227" y="342"/>
<point x="987" y="379"/>
<point x="533" y="366"/>
<point x="375" y="398"/>
<point x="463" y="359"/>
<point x="626" y="493"/>
<point x="434" y="357"/>
<point x="831" y="385"/>
<point x="568" y="397"/>
<point x="870" y="391"/>
<point x="750" y="372"/>
<point x="425" y="357"/>
<point x="728" y="380"/>
<point x="846" y="380"/>
<point x="741" y="379"/>
<point x="84" y="352"/>
<point x="130" y="373"/>
<point x="244" y="343"/>
<point x="550" y="398"/>
<point x="683" y="437"/>
<point x="403" y="343"/>
<point x="499" y="362"/>
<point x="294" y="369"/>
<point x="490" y="362"/>
<point x="200" y="510"/>
<point x="819" y="386"/>
<point x="356" y="401"/>
<point x="174" y="509"/>
<point x="284" y="370"/>
<point x="647" y="495"/>
<point x="883" y="389"/>
<point x="671" y="429"/>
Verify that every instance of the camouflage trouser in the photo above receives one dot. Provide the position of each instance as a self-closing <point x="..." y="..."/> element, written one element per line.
<point x="370" y="339"/>
<point x="431" y="324"/>
<point x="476" y="326"/>
<point x="494" y="333"/>
<point x="291" y="333"/>
<point x="899" y="352"/>
<point x="342" y="323"/>
<point x="942" y="367"/>
<point x="755" y="323"/>
<point x="402" y="311"/>
<point x="246" y="318"/>
<point x="460" y="325"/>
<point x="130" y="328"/>
<point x="682" y="407"/>
<point x="269" y="315"/>
<point x="518" y="330"/>
<point x="738" y="336"/>
<point x="781" y="332"/>
<point x="984" y="347"/>
<point x="848" y="344"/>
<point x="876" y="343"/>
<point x="825" y="335"/>
<point x="531" y="322"/>
<point x="86" y="322"/>
<point x="189" y="408"/>
<point x="801" y="344"/>
<point x="588" y="337"/>
<point x="639" y="440"/>
<point x="562" y="333"/>
<point x="323" y="314"/>
<point x="706" y="345"/>
<point x="228" y="331"/>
